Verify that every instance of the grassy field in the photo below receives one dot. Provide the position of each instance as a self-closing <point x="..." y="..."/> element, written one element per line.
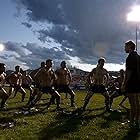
<point x="69" y="124"/>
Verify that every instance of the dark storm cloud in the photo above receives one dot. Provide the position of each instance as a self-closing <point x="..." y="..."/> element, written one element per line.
<point x="91" y="28"/>
<point x="68" y="38"/>
<point x="43" y="10"/>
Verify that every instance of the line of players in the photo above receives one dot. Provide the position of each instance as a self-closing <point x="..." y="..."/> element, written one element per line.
<point x="46" y="80"/>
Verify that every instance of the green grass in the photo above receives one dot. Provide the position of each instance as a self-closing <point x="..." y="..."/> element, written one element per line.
<point x="71" y="124"/>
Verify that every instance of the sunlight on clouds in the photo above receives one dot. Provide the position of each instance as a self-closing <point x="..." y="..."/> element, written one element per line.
<point x="12" y="62"/>
<point x="76" y="62"/>
<point x="1" y="47"/>
<point x="89" y="67"/>
<point x="26" y="51"/>
<point x="51" y="43"/>
<point x="9" y="54"/>
<point x="134" y="15"/>
<point x="114" y="67"/>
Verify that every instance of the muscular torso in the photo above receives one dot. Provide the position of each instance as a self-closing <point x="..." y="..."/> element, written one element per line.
<point x="15" y="79"/>
<point x="45" y="77"/>
<point x="63" y="76"/>
<point x="26" y="80"/>
<point x="99" y="76"/>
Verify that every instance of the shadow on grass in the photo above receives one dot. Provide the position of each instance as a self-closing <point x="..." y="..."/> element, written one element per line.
<point x="22" y="111"/>
<point x="113" y="116"/>
<point x="19" y="112"/>
<point x="66" y="123"/>
<point x="132" y="134"/>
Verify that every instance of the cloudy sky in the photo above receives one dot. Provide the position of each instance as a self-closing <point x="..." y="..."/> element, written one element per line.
<point x="78" y="31"/>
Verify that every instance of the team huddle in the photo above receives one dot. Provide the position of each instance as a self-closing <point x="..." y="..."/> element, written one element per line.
<point x="46" y="80"/>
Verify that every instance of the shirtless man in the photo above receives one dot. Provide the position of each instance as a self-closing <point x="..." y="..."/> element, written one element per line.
<point x="33" y="72"/>
<point x="26" y="82"/>
<point x="63" y="80"/>
<point x="35" y="83"/>
<point x="46" y="77"/>
<point x="3" y="94"/>
<point x="117" y="92"/>
<point x="97" y="80"/>
<point x="15" y="81"/>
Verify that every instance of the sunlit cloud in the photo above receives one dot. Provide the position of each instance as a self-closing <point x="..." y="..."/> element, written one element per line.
<point x="76" y="62"/>
<point x="1" y="47"/>
<point x="134" y="15"/>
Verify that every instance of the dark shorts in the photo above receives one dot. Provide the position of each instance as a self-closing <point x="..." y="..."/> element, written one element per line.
<point x="63" y="88"/>
<point x="15" y="86"/>
<point x="47" y="90"/>
<point x="120" y="92"/>
<point x="26" y="86"/>
<point x="98" y="88"/>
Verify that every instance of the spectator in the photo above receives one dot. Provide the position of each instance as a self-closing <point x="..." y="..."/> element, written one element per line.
<point x="131" y="83"/>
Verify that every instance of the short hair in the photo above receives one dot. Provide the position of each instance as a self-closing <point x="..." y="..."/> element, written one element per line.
<point x="2" y="65"/>
<point x="42" y="64"/>
<point x="48" y="60"/>
<point x="101" y="59"/>
<point x="63" y="62"/>
<point x="131" y="44"/>
<point x="17" y="66"/>
<point x="121" y="70"/>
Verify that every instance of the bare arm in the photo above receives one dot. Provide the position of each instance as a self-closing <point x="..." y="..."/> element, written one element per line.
<point x="38" y="75"/>
<point x="126" y="77"/>
<point x="69" y="76"/>
<point x="90" y="77"/>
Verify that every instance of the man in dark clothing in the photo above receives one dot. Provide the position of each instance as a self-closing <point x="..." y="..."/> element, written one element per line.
<point x="131" y="83"/>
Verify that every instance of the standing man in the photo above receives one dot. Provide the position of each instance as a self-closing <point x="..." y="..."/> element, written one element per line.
<point x="131" y="83"/>
<point x="97" y="80"/>
<point x="63" y="81"/>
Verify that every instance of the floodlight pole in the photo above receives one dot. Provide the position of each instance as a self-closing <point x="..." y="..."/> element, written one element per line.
<point x="136" y="36"/>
